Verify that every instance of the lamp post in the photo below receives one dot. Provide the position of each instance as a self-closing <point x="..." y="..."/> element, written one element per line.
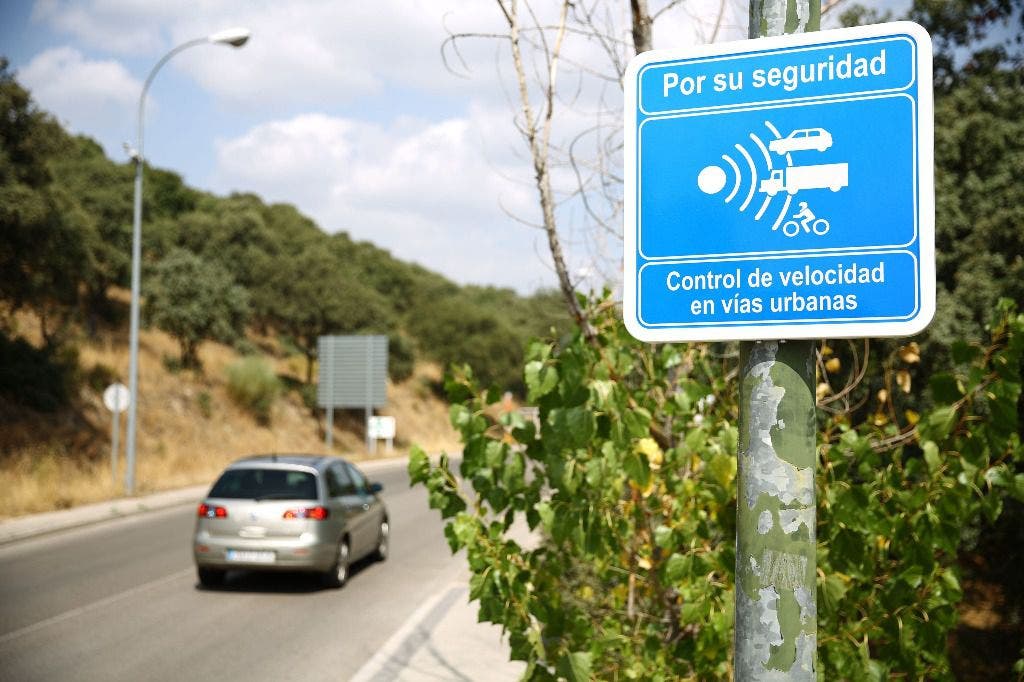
<point x="235" y="37"/>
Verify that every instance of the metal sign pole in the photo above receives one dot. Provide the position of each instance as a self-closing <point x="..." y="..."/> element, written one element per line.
<point x="116" y="398"/>
<point x="329" y="376"/>
<point x="371" y="441"/>
<point x="115" y="432"/>
<point x="776" y="592"/>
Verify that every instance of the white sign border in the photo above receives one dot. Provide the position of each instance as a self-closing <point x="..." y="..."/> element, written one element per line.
<point x="684" y="332"/>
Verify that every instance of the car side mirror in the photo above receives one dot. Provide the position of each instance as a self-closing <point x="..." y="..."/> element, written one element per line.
<point x="376" y="487"/>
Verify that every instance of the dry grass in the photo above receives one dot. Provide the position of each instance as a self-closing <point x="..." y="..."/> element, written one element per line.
<point x="55" y="461"/>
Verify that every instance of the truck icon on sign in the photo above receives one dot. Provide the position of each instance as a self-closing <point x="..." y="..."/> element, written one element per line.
<point x="792" y="179"/>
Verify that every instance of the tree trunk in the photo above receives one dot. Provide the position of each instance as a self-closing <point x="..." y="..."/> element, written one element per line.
<point x="642" y="26"/>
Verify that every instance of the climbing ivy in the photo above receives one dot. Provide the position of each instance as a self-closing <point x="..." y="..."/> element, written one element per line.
<point x="600" y="534"/>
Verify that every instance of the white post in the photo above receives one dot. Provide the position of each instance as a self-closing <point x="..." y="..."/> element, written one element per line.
<point x="115" y="432"/>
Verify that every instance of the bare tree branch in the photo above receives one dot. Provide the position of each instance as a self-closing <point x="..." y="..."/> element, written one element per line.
<point x="538" y="135"/>
<point x="830" y="5"/>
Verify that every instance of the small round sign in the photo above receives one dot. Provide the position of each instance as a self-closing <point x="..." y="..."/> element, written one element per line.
<point x="116" y="397"/>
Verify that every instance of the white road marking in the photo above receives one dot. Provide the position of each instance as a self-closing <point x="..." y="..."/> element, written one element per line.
<point x="432" y="609"/>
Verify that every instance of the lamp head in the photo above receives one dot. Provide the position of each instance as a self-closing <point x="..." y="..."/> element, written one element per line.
<point x="235" y="37"/>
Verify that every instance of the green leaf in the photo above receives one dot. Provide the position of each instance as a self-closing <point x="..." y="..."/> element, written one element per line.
<point x="637" y="422"/>
<point x="419" y="465"/>
<point x="663" y="536"/>
<point x="1017" y="489"/>
<point x="722" y="468"/>
<point x="637" y="468"/>
<point x="931" y="456"/>
<point x="833" y="589"/>
<point x="547" y="514"/>
<point x="999" y="477"/>
<point x="569" y="428"/>
<point x="541" y="379"/>
<point x="459" y="415"/>
<point x="676" y="568"/>
<point x="730" y="436"/>
<point x="695" y="440"/>
<point x="576" y="667"/>
<point x="941" y="421"/>
<point x="601" y="392"/>
<point x="912" y="576"/>
<point x="945" y="388"/>
<point x="964" y="352"/>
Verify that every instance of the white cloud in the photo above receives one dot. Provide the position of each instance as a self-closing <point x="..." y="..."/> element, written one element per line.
<point x="363" y="127"/>
<point x="427" y="192"/>
<point x="119" y="26"/>
<point x="89" y="95"/>
<point x="304" y="53"/>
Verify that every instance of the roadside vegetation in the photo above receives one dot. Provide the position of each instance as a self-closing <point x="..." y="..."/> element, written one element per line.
<point x="235" y="293"/>
<point x="627" y="474"/>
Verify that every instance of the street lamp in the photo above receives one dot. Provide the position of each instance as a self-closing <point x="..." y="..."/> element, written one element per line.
<point x="235" y="37"/>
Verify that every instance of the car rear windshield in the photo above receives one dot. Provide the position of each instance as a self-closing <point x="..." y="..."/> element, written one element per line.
<point x="265" y="484"/>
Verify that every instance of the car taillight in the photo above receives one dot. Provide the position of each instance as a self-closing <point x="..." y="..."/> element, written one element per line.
<point x="209" y="511"/>
<point x="315" y="513"/>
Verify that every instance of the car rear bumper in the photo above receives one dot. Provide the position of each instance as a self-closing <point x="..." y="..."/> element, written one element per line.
<point x="303" y="553"/>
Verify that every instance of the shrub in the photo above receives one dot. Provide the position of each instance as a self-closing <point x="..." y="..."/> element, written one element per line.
<point x="100" y="376"/>
<point x="629" y="479"/>
<point x="244" y="346"/>
<point x="205" y="401"/>
<point x="309" y="396"/>
<point x="401" y="359"/>
<point x="253" y="386"/>
<point x="43" y="379"/>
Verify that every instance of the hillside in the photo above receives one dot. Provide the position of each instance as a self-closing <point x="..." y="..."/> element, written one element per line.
<point x="188" y="429"/>
<point x="223" y="277"/>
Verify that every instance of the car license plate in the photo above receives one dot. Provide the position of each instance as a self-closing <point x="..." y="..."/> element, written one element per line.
<point x="251" y="556"/>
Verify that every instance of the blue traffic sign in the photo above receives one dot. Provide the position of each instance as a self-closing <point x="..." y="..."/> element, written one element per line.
<point x="781" y="188"/>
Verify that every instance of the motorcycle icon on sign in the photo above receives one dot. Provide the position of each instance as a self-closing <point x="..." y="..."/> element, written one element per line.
<point x="807" y="220"/>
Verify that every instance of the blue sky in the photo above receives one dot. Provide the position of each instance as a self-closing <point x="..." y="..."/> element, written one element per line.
<point x="345" y="110"/>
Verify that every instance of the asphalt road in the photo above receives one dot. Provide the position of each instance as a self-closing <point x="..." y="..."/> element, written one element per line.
<point x="120" y="601"/>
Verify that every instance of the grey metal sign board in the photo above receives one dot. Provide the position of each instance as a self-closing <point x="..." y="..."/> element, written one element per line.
<point x="353" y="371"/>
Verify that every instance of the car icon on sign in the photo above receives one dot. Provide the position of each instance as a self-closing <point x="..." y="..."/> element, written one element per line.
<point x="804" y="139"/>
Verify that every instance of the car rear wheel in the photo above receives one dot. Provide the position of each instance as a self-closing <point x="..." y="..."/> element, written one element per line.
<point x="338" y="573"/>
<point x="383" y="541"/>
<point x="210" y="577"/>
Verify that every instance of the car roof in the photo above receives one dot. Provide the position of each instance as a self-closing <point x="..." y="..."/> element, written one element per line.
<point x="284" y="461"/>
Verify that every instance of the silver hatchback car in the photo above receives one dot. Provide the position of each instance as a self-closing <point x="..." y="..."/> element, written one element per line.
<point x="289" y="513"/>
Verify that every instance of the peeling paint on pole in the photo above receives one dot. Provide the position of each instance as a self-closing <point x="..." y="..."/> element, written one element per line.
<point x="778" y="17"/>
<point x="776" y="617"/>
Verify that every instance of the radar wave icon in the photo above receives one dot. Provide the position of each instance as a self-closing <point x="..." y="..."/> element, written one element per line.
<point x="742" y="178"/>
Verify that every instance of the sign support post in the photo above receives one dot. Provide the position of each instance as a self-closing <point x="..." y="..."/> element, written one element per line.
<point x="780" y="188"/>
<point x="371" y="443"/>
<point x="116" y="397"/>
<point x="776" y="522"/>
<point x="115" y="430"/>
<point x="776" y="602"/>
<point x="329" y="430"/>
